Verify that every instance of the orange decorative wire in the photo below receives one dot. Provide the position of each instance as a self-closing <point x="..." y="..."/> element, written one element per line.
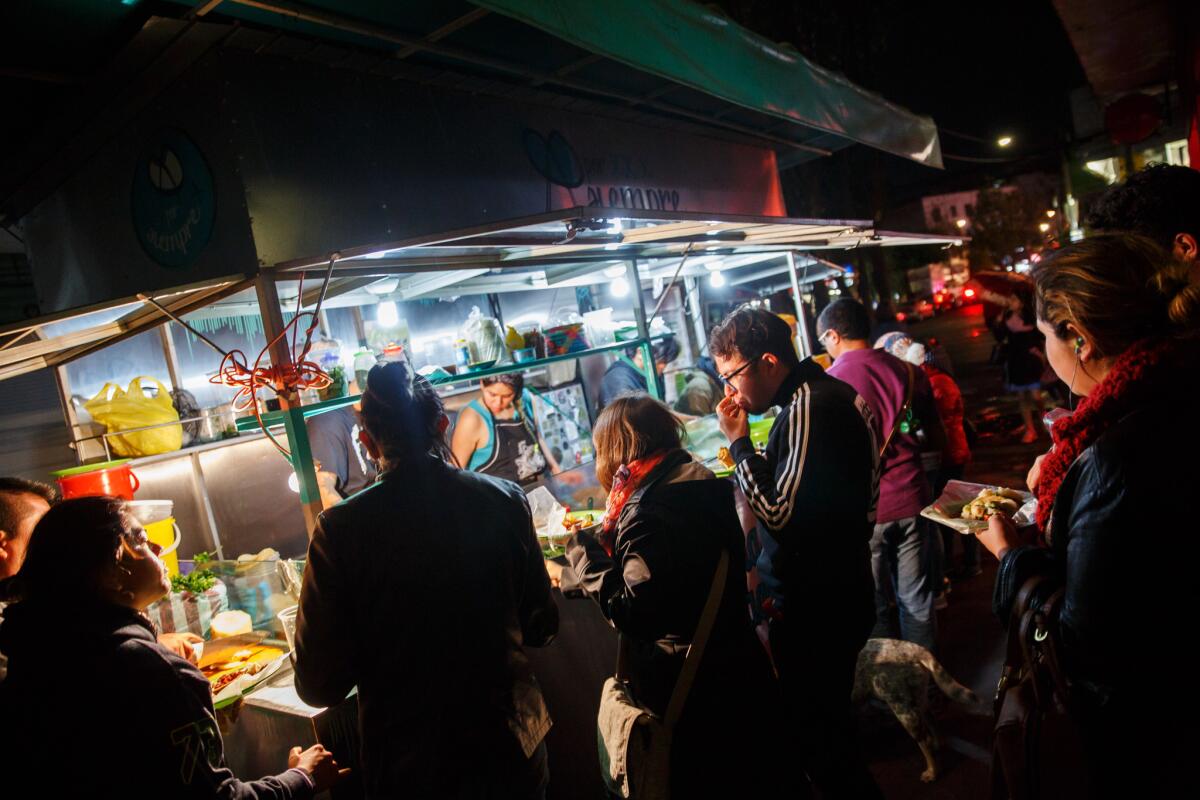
<point x="295" y="376"/>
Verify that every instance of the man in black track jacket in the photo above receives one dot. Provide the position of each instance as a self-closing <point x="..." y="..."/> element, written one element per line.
<point x="813" y="492"/>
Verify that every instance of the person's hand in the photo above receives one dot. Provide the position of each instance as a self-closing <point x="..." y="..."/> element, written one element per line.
<point x="1035" y="473"/>
<point x="732" y="419"/>
<point x="554" y="570"/>
<point x="181" y="644"/>
<point x="999" y="536"/>
<point x="319" y="764"/>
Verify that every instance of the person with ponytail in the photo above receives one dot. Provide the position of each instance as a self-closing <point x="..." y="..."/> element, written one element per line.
<point x="422" y="591"/>
<point x="1114" y="497"/>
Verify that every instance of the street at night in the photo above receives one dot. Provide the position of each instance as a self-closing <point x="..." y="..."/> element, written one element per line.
<point x="598" y="399"/>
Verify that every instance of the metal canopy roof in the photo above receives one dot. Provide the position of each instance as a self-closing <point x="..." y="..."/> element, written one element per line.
<point x="584" y="234"/>
<point x="562" y="248"/>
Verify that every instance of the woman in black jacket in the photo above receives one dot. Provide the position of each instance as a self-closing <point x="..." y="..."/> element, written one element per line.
<point x="651" y="569"/>
<point x="93" y="705"/>
<point x="1114" y="506"/>
<point x="423" y="591"/>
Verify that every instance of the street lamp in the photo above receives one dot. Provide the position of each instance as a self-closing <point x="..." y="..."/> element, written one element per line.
<point x="961" y="223"/>
<point x="1004" y="141"/>
<point x="1050" y="212"/>
<point x="1043" y="227"/>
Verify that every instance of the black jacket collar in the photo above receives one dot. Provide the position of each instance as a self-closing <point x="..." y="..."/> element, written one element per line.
<point x="802" y="373"/>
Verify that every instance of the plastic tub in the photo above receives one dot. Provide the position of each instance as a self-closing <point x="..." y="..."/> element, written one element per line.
<point x="91" y="480"/>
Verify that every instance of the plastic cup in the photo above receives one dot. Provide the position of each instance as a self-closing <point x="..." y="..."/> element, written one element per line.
<point x="287" y="618"/>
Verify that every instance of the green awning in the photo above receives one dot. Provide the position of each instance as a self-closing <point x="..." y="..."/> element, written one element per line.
<point x="698" y="47"/>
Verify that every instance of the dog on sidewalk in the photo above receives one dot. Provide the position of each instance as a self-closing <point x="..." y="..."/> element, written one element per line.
<point x="897" y="673"/>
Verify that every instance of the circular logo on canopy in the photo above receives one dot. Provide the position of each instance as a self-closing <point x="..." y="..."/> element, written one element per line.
<point x="553" y="157"/>
<point x="173" y="201"/>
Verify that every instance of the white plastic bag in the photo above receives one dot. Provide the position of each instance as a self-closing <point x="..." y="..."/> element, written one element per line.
<point x="548" y="513"/>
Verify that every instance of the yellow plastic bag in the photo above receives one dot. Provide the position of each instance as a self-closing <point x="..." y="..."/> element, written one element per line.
<point x="119" y="410"/>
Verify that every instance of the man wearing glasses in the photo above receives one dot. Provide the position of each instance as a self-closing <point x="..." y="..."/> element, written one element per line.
<point x="813" y="492"/>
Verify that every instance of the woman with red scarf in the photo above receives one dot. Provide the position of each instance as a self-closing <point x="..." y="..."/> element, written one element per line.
<point x="651" y="568"/>
<point x="1114" y="495"/>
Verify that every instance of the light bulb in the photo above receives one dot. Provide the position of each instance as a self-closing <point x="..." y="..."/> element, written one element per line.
<point x="387" y="315"/>
<point x="619" y="287"/>
<point x="294" y="483"/>
<point x="717" y="280"/>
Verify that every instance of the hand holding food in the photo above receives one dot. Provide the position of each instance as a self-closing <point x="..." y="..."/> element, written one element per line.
<point x="725" y="457"/>
<point x="999" y="536"/>
<point x="732" y="419"/>
<point x="993" y="500"/>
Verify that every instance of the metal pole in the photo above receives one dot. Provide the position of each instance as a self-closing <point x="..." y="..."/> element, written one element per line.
<point x="289" y="402"/>
<point x="692" y="289"/>
<point x="643" y="326"/>
<point x="806" y="346"/>
<point x="168" y="346"/>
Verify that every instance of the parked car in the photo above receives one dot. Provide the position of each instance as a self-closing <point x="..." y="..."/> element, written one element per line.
<point x="915" y="311"/>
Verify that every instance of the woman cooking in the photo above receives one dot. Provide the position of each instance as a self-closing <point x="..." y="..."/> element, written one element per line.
<point x="495" y="434"/>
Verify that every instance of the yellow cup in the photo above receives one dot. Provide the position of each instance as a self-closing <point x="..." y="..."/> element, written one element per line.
<point x="165" y="534"/>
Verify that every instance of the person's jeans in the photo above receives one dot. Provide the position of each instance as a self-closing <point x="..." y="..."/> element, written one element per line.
<point x="902" y="553"/>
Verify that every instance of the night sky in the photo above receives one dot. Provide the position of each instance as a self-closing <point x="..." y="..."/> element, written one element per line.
<point x="980" y="69"/>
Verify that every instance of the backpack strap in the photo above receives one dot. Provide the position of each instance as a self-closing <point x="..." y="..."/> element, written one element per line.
<point x="904" y="409"/>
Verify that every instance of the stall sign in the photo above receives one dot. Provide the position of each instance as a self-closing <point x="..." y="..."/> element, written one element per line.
<point x="174" y="205"/>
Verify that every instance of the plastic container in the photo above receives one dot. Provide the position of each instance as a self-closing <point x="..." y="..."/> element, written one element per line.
<point x="91" y="480"/>
<point x="524" y="354"/>
<point x="287" y="619"/>
<point x="364" y="360"/>
<point x="534" y="339"/>
<point x="392" y="354"/>
<point x="599" y="327"/>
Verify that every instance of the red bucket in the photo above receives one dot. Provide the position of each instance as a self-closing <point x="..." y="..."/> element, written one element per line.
<point x="109" y="478"/>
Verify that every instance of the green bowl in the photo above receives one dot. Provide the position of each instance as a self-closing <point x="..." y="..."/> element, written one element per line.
<point x="66" y="473"/>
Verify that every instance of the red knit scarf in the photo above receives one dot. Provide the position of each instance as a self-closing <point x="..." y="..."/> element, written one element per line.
<point x="626" y="481"/>
<point x="1145" y="372"/>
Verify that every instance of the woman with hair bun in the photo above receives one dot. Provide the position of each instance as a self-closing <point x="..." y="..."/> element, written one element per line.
<point x="423" y="591"/>
<point x="1114" y="495"/>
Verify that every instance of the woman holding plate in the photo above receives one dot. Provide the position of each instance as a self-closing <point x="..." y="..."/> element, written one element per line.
<point x="1120" y="320"/>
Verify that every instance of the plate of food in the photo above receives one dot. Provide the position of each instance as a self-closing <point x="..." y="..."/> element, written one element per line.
<point x="575" y="521"/>
<point x="244" y="670"/>
<point x="966" y="507"/>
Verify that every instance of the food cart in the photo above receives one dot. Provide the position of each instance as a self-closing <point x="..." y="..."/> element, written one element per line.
<point x="283" y="166"/>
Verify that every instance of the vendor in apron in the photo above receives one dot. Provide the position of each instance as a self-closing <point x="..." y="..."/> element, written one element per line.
<point x="495" y="434"/>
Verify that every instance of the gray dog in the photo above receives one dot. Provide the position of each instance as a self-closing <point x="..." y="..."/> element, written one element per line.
<point x="897" y="673"/>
